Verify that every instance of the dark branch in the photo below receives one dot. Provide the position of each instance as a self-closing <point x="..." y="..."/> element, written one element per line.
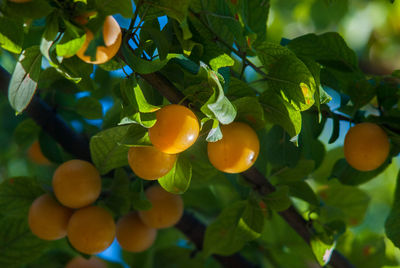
<point x="50" y="122"/>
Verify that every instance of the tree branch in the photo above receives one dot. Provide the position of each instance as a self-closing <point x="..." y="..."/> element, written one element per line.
<point x="76" y="145"/>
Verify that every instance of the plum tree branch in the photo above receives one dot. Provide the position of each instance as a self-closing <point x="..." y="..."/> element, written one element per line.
<point x="78" y="146"/>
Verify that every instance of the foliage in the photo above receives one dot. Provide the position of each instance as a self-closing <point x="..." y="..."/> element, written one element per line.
<point x="223" y="59"/>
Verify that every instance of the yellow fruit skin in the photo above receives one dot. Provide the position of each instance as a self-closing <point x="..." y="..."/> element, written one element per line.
<point x="36" y="155"/>
<point x="112" y="39"/>
<point x="176" y="129"/>
<point x="149" y="163"/>
<point x="133" y="235"/>
<point x="48" y="219"/>
<point x="166" y="211"/>
<point x="80" y="262"/>
<point x="236" y="151"/>
<point x="366" y="146"/>
<point x="91" y="230"/>
<point x="76" y="183"/>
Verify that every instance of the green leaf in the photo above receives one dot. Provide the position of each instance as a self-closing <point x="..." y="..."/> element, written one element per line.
<point x="51" y="28"/>
<point x="322" y="250"/>
<point x="278" y="111"/>
<point x="176" y="9"/>
<point x="17" y="195"/>
<point x="303" y="168"/>
<point x="220" y="107"/>
<point x="215" y="133"/>
<point x="175" y="256"/>
<point x="223" y="60"/>
<point x="89" y="108"/>
<point x="144" y="106"/>
<point x="69" y="45"/>
<point x="278" y="200"/>
<point x="136" y="135"/>
<point x="350" y="176"/>
<point x="302" y="190"/>
<point x="249" y="110"/>
<point x="106" y="151"/>
<point x="255" y="15"/>
<point x="341" y="202"/>
<point x="26" y="132"/>
<point x="392" y="223"/>
<point x="119" y="200"/>
<point x="138" y="197"/>
<point x="18" y="245"/>
<point x="146" y="120"/>
<point x="123" y="7"/>
<point x="143" y="66"/>
<point x="177" y="181"/>
<point x="34" y="9"/>
<point x="238" y="88"/>
<point x="11" y="35"/>
<point x="24" y="79"/>
<point x="237" y="224"/>
<point x="50" y="148"/>
<point x="279" y="150"/>
<point x="287" y="75"/>
<point x="329" y="49"/>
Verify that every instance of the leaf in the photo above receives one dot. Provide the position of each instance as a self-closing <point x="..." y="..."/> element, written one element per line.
<point x="177" y="181"/>
<point x="255" y="15"/>
<point x="350" y="176"/>
<point x="237" y="224"/>
<point x="138" y="197"/>
<point x="26" y="132"/>
<point x="249" y="110"/>
<point x="329" y="49"/>
<point x="278" y="111"/>
<point x="17" y="195"/>
<point x="24" y="79"/>
<point x="392" y="222"/>
<point x="11" y="35"/>
<point x="220" y="107"/>
<point x="144" y="106"/>
<point x="176" y="9"/>
<point x="303" y="168"/>
<point x="106" y="151"/>
<point x="50" y="148"/>
<point x="118" y="200"/>
<point x="18" y="245"/>
<point x="221" y="61"/>
<point x="322" y="250"/>
<point x="123" y="7"/>
<point x="341" y="202"/>
<point x="69" y="45"/>
<point x="238" y="88"/>
<point x="143" y="66"/>
<point x="136" y="135"/>
<point x="278" y="200"/>
<point x="32" y="9"/>
<point x="89" y="108"/>
<point x="336" y="129"/>
<point x="302" y="190"/>
<point x="215" y="133"/>
<point x="279" y="150"/>
<point x="287" y="75"/>
<point x="51" y="28"/>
